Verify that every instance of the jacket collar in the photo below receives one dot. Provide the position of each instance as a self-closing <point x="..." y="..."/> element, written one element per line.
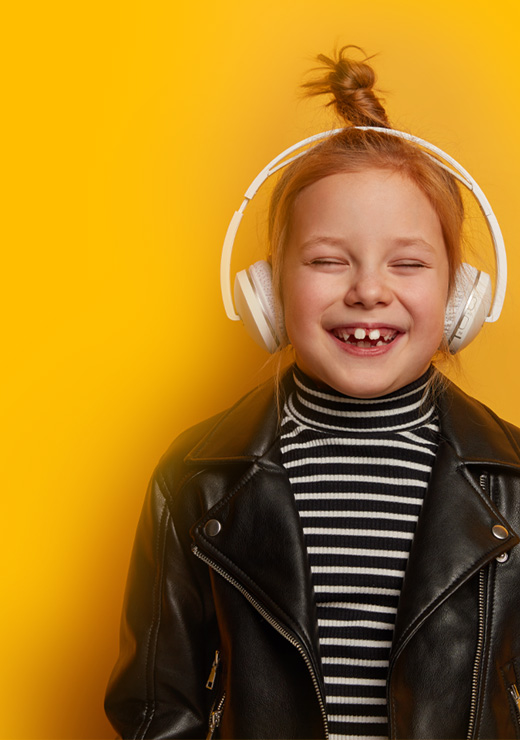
<point x="248" y="430"/>
<point x="476" y="434"/>
<point x="245" y="432"/>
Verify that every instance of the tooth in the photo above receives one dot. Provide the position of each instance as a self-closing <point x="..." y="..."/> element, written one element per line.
<point x="380" y="343"/>
<point x="374" y="334"/>
<point x="360" y="333"/>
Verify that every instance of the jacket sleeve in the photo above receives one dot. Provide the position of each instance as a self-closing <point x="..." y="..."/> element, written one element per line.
<point x="157" y="688"/>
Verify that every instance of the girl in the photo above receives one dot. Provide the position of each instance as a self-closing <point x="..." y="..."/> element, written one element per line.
<point x="335" y="556"/>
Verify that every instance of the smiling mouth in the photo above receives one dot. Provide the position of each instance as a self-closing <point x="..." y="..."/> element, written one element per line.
<point x="365" y="338"/>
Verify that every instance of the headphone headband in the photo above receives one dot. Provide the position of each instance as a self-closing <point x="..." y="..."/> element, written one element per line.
<point x="454" y="168"/>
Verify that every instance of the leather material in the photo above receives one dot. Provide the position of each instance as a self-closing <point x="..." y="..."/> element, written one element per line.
<point x="246" y="591"/>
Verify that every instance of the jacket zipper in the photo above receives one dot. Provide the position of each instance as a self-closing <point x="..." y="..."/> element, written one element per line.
<point x="510" y="674"/>
<point x="515" y="696"/>
<point x="480" y="638"/>
<point x="215" y="716"/>
<point x="278" y="627"/>
<point x="478" y="655"/>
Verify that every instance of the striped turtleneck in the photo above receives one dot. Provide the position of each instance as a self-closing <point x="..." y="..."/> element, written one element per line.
<point x="359" y="469"/>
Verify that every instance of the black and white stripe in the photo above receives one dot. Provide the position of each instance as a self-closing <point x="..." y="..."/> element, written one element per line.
<point x="359" y="469"/>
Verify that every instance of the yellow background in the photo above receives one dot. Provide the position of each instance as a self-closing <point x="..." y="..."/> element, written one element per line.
<point x="131" y="129"/>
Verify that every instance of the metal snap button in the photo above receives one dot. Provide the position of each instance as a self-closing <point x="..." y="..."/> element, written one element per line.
<point x="212" y="527"/>
<point x="503" y="557"/>
<point x="500" y="532"/>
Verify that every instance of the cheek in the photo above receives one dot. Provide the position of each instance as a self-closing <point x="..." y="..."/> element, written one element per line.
<point x="430" y="309"/>
<point x="295" y="312"/>
<point x="294" y="289"/>
<point x="305" y="303"/>
<point x="430" y="290"/>
<point x="291" y="307"/>
<point x="303" y="311"/>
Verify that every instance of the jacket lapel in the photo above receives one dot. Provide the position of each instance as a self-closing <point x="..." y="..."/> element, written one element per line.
<point x="453" y="540"/>
<point x="260" y="545"/>
<point x="454" y="536"/>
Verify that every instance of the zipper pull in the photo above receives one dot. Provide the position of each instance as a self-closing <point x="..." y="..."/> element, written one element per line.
<point x="213" y="673"/>
<point x="515" y="695"/>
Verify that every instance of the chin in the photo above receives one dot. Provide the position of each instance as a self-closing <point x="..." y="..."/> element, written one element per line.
<point x="360" y="383"/>
<point x="366" y="390"/>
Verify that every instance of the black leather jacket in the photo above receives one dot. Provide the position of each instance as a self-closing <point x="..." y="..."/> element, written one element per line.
<point x="219" y="564"/>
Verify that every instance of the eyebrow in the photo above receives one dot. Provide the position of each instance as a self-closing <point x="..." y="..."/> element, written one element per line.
<point x="334" y="241"/>
<point x="331" y="241"/>
<point x="413" y="241"/>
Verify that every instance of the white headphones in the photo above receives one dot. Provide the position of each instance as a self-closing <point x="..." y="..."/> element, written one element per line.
<point x="468" y="308"/>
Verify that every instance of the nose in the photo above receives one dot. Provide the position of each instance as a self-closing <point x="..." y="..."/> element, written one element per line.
<point x="368" y="288"/>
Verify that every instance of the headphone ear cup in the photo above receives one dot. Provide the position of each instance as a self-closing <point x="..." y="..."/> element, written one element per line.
<point x="468" y="307"/>
<point x="255" y="304"/>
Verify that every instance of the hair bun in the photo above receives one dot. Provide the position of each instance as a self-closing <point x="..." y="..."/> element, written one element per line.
<point x="351" y="84"/>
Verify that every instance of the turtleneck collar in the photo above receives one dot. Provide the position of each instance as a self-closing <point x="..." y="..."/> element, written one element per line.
<point x="327" y="410"/>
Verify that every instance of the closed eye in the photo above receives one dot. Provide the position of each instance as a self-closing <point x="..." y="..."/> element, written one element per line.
<point x="410" y="264"/>
<point x="327" y="261"/>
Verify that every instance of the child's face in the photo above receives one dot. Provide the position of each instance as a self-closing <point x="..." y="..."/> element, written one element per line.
<point x="365" y="282"/>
